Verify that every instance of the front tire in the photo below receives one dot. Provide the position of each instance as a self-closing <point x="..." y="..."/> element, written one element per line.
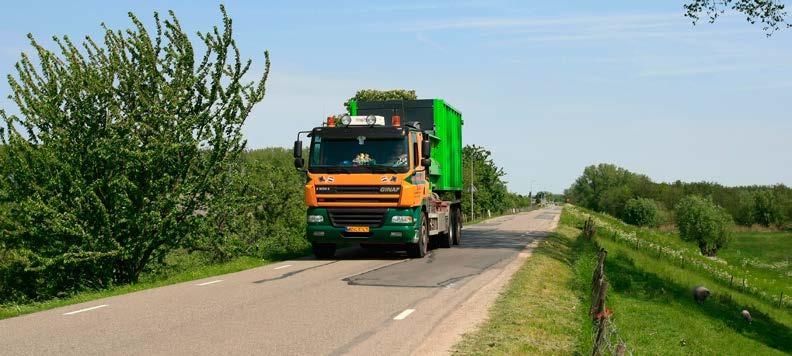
<point x="323" y="251"/>
<point x="420" y="248"/>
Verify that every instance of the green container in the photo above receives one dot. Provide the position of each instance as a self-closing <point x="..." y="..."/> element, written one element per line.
<point x="440" y="120"/>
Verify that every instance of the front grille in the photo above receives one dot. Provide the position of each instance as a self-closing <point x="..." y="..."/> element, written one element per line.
<point x="357" y="189"/>
<point x="341" y="217"/>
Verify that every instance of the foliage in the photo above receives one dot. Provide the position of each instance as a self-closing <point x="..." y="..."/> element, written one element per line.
<point x="641" y="212"/>
<point x="607" y="188"/>
<point x="701" y="220"/>
<point x="543" y="196"/>
<point x="490" y="191"/>
<point x="767" y="210"/>
<point x="116" y="150"/>
<point x="260" y="211"/>
<point x="769" y="13"/>
<point x="375" y="95"/>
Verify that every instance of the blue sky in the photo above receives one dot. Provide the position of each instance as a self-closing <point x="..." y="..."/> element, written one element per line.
<point x="549" y="87"/>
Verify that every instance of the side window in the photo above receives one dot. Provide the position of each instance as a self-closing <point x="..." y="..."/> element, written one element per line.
<point x="316" y="151"/>
<point x="415" y="156"/>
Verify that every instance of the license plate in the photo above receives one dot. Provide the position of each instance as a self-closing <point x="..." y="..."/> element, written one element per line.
<point x="357" y="229"/>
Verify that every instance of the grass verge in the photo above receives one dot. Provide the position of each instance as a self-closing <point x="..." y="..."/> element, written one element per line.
<point x="540" y="311"/>
<point x="544" y="308"/>
<point x="182" y="268"/>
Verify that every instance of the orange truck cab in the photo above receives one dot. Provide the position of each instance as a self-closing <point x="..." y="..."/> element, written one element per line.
<point x="384" y="175"/>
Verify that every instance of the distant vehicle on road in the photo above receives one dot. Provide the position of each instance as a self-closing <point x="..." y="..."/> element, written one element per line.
<point x="389" y="173"/>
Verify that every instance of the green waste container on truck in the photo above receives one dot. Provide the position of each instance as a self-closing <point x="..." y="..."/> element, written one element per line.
<point x="442" y="121"/>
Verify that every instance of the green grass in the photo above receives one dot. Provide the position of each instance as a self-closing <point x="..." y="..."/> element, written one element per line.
<point x="655" y="313"/>
<point x="766" y="255"/>
<point x="179" y="267"/>
<point x="544" y="309"/>
<point x="760" y="280"/>
<point x="540" y="311"/>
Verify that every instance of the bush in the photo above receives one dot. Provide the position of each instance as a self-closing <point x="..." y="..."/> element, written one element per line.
<point x="767" y="210"/>
<point x="116" y="147"/>
<point x="375" y="95"/>
<point x="702" y="221"/>
<point x="261" y="212"/>
<point x="641" y="212"/>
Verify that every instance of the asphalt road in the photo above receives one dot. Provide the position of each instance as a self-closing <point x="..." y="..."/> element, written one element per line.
<point x="363" y="302"/>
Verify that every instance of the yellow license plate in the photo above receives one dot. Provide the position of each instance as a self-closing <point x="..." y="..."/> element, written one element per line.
<point x="357" y="229"/>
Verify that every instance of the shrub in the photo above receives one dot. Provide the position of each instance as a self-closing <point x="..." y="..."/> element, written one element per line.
<point x="702" y="221"/>
<point x="641" y="212"/>
<point x="374" y="95"/>
<point x="116" y="147"/>
<point x="767" y="210"/>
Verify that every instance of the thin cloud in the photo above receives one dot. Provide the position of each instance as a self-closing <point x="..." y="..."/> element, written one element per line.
<point x="427" y="41"/>
<point x="503" y="22"/>
<point x="688" y="71"/>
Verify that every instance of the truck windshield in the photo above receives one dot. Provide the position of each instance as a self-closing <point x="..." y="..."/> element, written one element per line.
<point x="359" y="155"/>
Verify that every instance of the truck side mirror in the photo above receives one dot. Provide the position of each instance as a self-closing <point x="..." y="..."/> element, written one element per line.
<point x="299" y="163"/>
<point x="426" y="162"/>
<point x="426" y="148"/>
<point x="298" y="149"/>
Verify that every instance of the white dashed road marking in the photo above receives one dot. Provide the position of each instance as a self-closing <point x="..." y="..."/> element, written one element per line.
<point x="284" y="266"/>
<point x="208" y="283"/>
<point x="404" y="314"/>
<point x="85" y="310"/>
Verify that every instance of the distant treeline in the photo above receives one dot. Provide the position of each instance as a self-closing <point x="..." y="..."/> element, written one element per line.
<point x="608" y="188"/>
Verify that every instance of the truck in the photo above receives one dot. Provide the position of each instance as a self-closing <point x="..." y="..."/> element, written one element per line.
<point x="387" y="174"/>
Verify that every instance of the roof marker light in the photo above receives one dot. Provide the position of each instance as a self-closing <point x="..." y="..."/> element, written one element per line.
<point x="330" y="121"/>
<point x="346" y="120"/>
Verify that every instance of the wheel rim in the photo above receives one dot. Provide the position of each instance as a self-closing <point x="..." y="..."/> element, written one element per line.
<point x="457" y="229"/>
<point x="423" y="239"/>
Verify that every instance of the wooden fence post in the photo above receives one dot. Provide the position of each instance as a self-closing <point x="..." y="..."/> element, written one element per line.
<point x="601" y="319"/>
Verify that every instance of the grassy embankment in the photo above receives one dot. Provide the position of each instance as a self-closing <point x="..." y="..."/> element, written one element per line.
<point x="543" y="310"/>
<point x="180" y="267"/>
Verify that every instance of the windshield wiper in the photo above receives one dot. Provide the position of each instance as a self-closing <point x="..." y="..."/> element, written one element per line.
<point x="387" y="168"/>
<point x="338" y="169"/>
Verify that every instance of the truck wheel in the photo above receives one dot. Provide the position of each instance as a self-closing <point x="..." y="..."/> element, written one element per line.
<point x="445" y="239"/>
<point x="419" y="249"/>
<point x="323" y="251"/>
<point x="456" y="226"/>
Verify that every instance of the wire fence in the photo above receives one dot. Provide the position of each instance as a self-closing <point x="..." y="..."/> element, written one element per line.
<point x="684" y="259"/>
<point x="606" y="337"/>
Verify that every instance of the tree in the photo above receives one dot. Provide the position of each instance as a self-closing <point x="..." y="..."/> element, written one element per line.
<point x="641" y="212"/>
<point x="766" y="209"/>
<point x="118" y="147"/>
<point x="373" y="95"/>
<point x="771" y="14"/>
<point x="703" y="222"/>
<point x="490" y="189"/>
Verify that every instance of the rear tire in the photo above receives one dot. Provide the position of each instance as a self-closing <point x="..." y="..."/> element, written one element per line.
<point x="323" y="251"/>
<point x="456" y="225"/>
<point x="445" y="239"/>
<point x="420" y="248"/>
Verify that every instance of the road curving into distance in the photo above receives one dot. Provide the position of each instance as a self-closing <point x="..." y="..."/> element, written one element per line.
<point x="362" y="302"/>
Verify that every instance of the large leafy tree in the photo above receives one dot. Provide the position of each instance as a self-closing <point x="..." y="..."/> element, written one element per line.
<point x="702" y="221"/>
<point x="769" y="13"/>
<point x="118" y="148"/>
<point x="490" y="191"/>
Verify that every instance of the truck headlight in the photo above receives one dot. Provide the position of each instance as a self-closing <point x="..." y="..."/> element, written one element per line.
<point x="402" y="219"/>
<point x="315" y="218"/>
